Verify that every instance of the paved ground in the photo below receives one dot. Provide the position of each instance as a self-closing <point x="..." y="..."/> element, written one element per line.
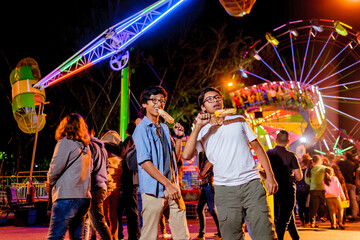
<point x="352" y="231"/>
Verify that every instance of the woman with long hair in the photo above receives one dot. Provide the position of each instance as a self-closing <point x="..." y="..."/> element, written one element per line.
<point x="68" y="178"/>
<point x="314" y="176"/>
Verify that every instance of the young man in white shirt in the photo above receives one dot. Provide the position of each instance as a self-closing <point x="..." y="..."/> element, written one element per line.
<point x="239" y="193"/>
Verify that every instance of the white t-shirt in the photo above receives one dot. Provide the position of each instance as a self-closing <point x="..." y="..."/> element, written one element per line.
<point x="227" y="148"/>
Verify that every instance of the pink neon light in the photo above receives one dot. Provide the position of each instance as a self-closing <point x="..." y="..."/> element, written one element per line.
<point x="279" y="27"/>
<point x="72" y="73"/>
<point x="295" y="21"/>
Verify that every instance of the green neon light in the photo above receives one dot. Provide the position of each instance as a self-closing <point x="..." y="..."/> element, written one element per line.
<point x="315" y="150"/>
<point x="346" y="149"/>
<point x="153" y="6"/>
<point x="71" y="63"/>
<point x="124" y="102"/>
<point x="337" y="140"/>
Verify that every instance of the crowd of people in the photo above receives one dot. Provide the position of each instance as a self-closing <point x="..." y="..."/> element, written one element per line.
<point x="94" y="181"/>
<point x="284" y="93"/>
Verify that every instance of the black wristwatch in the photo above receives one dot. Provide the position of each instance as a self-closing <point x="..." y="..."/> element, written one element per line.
<point x="180" y="137"/>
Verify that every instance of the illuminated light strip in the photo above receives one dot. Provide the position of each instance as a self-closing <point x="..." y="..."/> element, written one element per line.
<point x="282" y="63"/>
<point x="327" y="147"/>
<point x="293" y="58"/>
<point x="153" y="6"/>
<point x="279" y="27"/>
<point x="103" y="38"/>
<point x="345" y="114"/>
<point x="336" y="142"/>
<point x="337" y="72"/>
<point x="49" y="76"/>
<point x="101" y="42"/>
<point x="268" y="141"/>
<point x="338" y="85"/>
<point x="348" y="148"/>
<point x="122" y="27"/>
<point x="306" y="52"/>
<point x="317" y="114"/>
<point x="70" y="74"/>
<point x="332" y="125"/>
<point x="339" y="97"/>
<point x="344" y="24"/>
<point x="253" y="74"/>
<point x="322" y="108"/>
<point x="272" y="70"/>
<point x="296" y="21"/>
<point x="326" y="20"/>
<point x="71" y="63"/>
<point x="103" y="57"/>
<point x="312" y="67"/>
<point x="318" y="151"/>
<point x="329" y="63"/>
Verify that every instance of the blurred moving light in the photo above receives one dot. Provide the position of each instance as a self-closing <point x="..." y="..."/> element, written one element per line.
<point x="271" y="39"/>
<point x="237" y="8"/>
<point x="316" y="26"/>
<point x="230" y="84"/>
<point x="340" y="29"/>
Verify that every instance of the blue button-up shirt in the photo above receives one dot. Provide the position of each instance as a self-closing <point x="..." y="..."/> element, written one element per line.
<point x="148" y="147"/>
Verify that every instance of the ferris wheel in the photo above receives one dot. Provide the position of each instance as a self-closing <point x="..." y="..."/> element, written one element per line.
<point x="304" y="58"/>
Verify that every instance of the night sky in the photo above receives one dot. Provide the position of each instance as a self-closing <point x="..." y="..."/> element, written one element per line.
<point x="52" y="31"/>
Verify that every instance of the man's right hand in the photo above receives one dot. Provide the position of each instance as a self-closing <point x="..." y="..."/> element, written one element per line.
<point x="202" y="119"/>
<point x="173" y="191"/>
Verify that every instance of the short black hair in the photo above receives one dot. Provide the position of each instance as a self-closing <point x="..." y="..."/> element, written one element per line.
<point x="282" y="136"/>
<point x="131" y="127"/>
<point x="203" y="92"/>
<point x="152" y="90"/>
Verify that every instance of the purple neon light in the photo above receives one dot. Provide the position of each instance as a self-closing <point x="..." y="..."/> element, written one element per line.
<point x="306" y="51"/>
<point x="328" y="64"/>
<point x="293" y="58"/>
<point x="338" y="72"/>
<point x="253" y="74"/>
<point x="339" y="97"/>
<point x="338" y="85"/>
<point x="312" y="67"/>
<point x="345" y="114"/>
<point x="282" y="63"/>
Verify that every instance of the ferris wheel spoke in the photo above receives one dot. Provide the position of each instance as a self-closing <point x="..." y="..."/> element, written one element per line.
<point x="332" y="125"/>
<point x="305" y="56"/>
<point x="312" y="67"/>
<point x="271" y="69"/>
<point x="328" y="63"/>
<point x="342" y="113"/>
<point x="281" y="61"/>
<point x="293" y="57"/>
<point x="347" y="67"/>
<point x="257" y="76"/>
<point x="338" y="85"/>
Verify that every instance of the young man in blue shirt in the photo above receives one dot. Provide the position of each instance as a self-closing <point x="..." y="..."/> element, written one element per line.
<point x="158" y="176"/>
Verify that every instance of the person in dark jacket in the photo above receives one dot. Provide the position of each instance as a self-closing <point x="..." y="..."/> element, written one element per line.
<point x="128" y="200"/>
<point x="100" y="168"/>
<point x="286" y="171"/>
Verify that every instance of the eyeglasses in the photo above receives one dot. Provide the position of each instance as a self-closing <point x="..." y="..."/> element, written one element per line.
<point x="156" y="100"/>
<point x="212" y="99"/>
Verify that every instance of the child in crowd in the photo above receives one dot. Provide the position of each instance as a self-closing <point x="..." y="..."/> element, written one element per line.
<point x="334" y="194"/>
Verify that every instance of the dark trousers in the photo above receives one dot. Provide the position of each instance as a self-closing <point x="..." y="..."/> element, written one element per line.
<point x="96" y="213"/>
<point x="128" y="201"/>
<point x="317" y="200"/>
<point x="301" y="198"/>
<point x="284" y="213"/>
<point x="206" y="196"/>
